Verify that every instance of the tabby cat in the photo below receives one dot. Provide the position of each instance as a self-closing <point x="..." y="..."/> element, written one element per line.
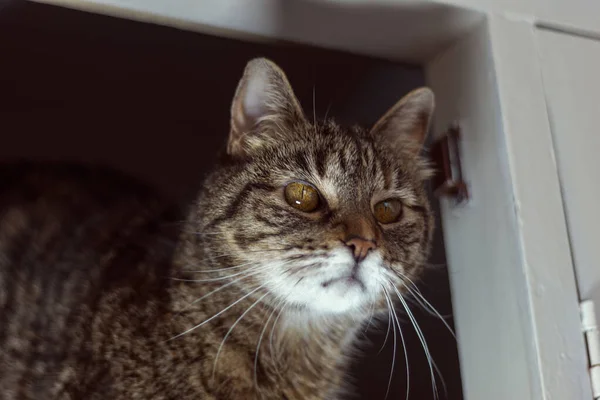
<point x="301" y="234"/>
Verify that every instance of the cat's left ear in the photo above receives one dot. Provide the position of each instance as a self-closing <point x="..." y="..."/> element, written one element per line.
<point x="264" y="108"/>
<point x="406" y="124"/>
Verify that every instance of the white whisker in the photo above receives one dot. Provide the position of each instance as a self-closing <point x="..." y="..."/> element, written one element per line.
<point x="327" y="111"/>
<point x="221" y="278"/>
<point x="422" y="340"/>
<point x="388" y="331"/>
<point x="387" y="392"/>
<point x="275" y="357"/>
<point x="219" y="313"/>
<point x="314" y="107"/>
<point x="420" y="298"/>
<point x="216" y="256"/>
<point x="219" y="269"/>
<point x="222" y="287"/>
<point x="428" y="307"/>
<point x="262" y="332"/>
<point x="395" y="318"/>
<point x="370" y="315"/>
<point x="260" y="340"/>
<point x="218" y="233"/>
<point x="259" y="269"/>
<point x="203" y="271"/>
<point x="231" y="329"/>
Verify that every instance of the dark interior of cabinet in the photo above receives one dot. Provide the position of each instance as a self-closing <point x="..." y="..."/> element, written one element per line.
<point x="154" y="102"/>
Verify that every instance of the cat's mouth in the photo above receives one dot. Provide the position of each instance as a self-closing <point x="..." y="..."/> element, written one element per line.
<point x="348" y="280"/>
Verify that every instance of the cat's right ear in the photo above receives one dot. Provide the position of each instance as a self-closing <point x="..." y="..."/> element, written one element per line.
<point x="263" y="110"/>
<point x="406" y="124"/>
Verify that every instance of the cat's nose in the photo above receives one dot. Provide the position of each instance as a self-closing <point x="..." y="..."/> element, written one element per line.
<point x="360" y="247"/>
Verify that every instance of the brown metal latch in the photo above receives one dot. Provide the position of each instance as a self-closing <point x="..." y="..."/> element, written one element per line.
<point x="448" y="180"/>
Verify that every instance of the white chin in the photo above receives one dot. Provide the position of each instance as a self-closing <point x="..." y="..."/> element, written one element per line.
<point x="340" y="297"/>
<point x="331" y="291"/>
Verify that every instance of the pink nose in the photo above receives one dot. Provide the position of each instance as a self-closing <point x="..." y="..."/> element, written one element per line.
<point x="360" y="247"/>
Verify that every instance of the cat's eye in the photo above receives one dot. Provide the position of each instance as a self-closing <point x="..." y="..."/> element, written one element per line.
<point x="388" y="211"/>
<point x="302" y="196"/>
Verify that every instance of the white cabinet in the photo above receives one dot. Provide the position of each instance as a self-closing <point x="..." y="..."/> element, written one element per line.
<point x="570" y="67"/>
<point x="571" y="72"/>
<point x="514" y="289"/>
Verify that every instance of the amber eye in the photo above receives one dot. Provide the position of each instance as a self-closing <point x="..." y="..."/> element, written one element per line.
<point x="388" y="211"/>
<point x="302" y="196"/>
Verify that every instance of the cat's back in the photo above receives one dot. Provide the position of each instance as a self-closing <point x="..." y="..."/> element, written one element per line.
<point x="69" y="237"/>
<point x="59" y="214"/>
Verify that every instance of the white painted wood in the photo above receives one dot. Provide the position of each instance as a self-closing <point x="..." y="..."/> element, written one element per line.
<point x="368" y="27"/>
<point x="514" y="291"/>
<point x="571" y="15"/>
<point x="496" y="342"/>
<point x="546" y="262"/>
<point x="412" y="31"/>
<point x="574" y="15"/>
<point x="571" y="68"/>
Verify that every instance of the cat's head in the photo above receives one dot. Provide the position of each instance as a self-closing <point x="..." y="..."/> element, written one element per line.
<point x="324" y="218"/>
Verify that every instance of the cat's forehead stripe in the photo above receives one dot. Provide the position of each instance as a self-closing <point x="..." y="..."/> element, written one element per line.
<point x="321" y="160"/>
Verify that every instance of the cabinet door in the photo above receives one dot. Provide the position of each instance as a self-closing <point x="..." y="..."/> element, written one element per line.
<point x="571" y="74"/>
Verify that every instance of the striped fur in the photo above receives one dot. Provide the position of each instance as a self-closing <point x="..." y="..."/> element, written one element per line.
<point x="104" y="293"/>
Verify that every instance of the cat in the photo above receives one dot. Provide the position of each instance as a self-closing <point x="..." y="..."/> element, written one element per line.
<point x="301" y="234"/>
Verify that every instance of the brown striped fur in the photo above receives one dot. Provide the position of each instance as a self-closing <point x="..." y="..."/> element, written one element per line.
<point x="102" y="286"/>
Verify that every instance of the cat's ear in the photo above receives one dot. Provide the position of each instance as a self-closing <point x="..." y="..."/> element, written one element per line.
<point x="263" y="108"/>
<point x="406" y="124"/>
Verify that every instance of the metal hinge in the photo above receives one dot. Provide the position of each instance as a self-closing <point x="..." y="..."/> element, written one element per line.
<point x="592" y="338"/>
<point x="448" y="180"/>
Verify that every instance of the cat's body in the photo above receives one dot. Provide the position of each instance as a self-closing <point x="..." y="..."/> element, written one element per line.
<point x="88" y="306"/>
<point x="106" y="292"/>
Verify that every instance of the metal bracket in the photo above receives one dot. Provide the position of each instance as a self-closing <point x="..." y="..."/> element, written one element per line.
<point x="448" y="180"/>
<point x="592" y="338"/>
